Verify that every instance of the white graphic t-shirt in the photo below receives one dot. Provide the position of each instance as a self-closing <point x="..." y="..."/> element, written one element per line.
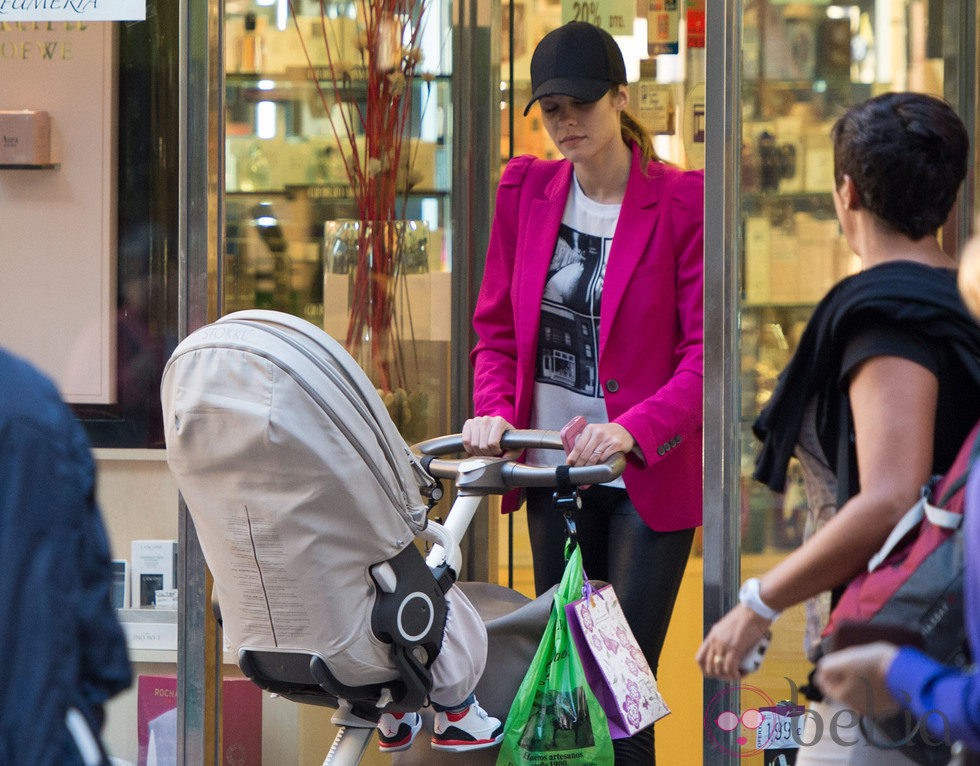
<point x="566" y="375"/>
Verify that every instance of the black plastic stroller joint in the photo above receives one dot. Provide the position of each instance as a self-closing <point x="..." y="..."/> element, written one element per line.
<point x="410" y="614"/>
<point x="433" y="493"/>
<point x="566" y="500"/>
<point x="304" y="677"/>
<point x="431" y="488"/>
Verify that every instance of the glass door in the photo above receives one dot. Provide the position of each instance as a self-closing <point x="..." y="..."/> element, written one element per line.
<point x="663" y="46"/>
<point x="312" y="164"/>
<point x="801" y="65"/>
<point x="340" y="112"/>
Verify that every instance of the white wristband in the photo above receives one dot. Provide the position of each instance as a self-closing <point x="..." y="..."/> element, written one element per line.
<point x="748" y="594"/>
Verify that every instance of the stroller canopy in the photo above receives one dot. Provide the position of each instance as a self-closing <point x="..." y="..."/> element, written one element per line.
<point x="297" y="481"/>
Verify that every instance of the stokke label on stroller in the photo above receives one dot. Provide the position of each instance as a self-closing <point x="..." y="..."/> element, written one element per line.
<point x="297" y="482"/>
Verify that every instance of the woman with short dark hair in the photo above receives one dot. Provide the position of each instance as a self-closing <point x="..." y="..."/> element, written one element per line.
<point x="906" y="154"/>
<point x="882" y="390"/>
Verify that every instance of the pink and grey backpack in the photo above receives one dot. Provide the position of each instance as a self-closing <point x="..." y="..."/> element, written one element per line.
<point x="915" y="582"/>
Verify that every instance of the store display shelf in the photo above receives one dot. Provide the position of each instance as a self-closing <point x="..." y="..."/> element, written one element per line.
<point x="151" y="635"/>
<point x="762" y="305"/>
<point x="301" y="76"/>
<point x="169" y="656"/>
<point x="325" y="191"/>
<point x="152" y="630"/>
<point x="116" y="453"/>
<point x="776" y="204"/>
<point x="822" y="197"/>
<point x="41" y="166"/>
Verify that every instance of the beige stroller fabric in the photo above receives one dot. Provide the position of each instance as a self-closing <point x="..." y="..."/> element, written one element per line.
<point x="297" y="482"/>
<point x="461" y="661"/>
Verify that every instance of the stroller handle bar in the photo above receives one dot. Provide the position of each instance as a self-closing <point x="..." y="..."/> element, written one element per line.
<point x="496" y="475"/>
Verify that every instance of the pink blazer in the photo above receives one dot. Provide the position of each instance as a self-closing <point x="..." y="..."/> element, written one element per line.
<point x="651" y="321"/>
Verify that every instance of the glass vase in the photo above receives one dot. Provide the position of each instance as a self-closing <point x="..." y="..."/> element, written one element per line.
<point x="368" y="306"/>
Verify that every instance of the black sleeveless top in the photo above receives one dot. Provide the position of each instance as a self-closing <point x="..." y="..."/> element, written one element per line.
<point x="899" y="308"/>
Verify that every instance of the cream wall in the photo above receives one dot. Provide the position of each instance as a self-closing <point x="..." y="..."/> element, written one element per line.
<point x="138" y="498"/>
<point x="137" y="495"/>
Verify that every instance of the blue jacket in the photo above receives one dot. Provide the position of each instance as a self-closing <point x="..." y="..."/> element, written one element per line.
<point x="61" y="645"/>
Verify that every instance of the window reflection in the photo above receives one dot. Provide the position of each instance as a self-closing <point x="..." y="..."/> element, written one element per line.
<point x="146" y="272"/>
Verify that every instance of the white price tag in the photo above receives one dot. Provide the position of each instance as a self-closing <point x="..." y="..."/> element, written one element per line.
<point x="655" y="107"/>
<point x="780" y="727"/>
<point x="166" y="599"/>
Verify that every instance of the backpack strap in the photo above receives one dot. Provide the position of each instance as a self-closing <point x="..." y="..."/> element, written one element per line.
<point x="937" y="514"/>
<point x="938" y="517"/>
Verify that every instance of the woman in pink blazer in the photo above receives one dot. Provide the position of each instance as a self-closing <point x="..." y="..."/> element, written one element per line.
<point x="591" y="304"/>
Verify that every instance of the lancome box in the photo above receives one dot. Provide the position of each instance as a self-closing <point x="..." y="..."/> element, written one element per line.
<point x="154" y="568"/>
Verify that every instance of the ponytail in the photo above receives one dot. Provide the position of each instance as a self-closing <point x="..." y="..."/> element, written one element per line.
<point x="634" y="133"/>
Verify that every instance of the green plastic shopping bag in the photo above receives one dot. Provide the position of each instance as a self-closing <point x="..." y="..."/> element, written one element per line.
<point x="555" y="717"/>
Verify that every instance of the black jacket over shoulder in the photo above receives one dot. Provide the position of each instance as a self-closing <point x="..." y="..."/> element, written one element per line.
<point x="904" y="294"/>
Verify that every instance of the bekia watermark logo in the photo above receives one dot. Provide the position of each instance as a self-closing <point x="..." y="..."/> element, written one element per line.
<point x="745" y="721"/>
<point x="733" y="718"/>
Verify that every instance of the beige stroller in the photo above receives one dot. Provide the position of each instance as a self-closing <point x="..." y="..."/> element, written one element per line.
<point x="307" y="503"/>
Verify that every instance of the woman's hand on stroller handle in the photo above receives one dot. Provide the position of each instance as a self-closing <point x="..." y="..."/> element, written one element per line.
<point x="498" y="475"/>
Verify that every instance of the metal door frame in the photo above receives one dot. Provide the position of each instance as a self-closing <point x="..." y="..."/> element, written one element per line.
<point x="722" y="244"/>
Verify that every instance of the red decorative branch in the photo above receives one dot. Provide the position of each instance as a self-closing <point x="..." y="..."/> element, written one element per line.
<point x="388" y="43"/>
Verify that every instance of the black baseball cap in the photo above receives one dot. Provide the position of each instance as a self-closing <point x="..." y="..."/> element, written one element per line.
<point x="579" y="60"/>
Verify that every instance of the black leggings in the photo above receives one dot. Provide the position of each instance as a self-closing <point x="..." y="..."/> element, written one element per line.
<point x="645" y="567"/>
